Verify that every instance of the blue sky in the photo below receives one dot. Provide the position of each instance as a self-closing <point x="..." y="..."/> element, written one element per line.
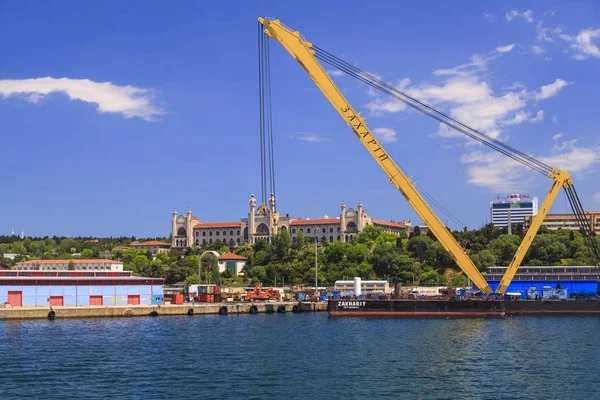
<point x="112" y="114"/>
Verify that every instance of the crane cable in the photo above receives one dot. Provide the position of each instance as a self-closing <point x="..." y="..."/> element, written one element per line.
<point x="440" y="116"/>
<point x="479" y="136"/>
<point x="266" y="142"/>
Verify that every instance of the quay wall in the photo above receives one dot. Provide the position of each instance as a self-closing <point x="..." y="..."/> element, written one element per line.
<point x="65" y="312"/>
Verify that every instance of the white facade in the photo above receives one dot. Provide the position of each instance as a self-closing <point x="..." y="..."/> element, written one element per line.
<point x="347" y="288"/>
<point x="264" y="222"/>
<point x="516" y="207"/>
<point x="63" y="265"/>
<point x="232" y="261"/>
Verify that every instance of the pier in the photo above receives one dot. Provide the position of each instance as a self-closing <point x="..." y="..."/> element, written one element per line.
<point x="191" y="309"/>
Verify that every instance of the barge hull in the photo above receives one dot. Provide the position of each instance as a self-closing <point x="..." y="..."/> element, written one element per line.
<point x="476" y="308"/>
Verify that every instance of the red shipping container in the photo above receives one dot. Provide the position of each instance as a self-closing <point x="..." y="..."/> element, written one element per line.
<point x="178" y="299"/>
<point x="217" y="289"/>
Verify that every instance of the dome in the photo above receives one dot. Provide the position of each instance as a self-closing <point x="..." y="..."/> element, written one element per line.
<point x="326" y="216"/>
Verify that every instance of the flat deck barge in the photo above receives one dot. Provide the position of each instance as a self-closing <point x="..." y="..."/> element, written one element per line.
<point x="458" y="307"/>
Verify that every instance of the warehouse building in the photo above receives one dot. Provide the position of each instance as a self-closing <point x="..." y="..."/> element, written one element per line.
<point x="575" y="279"/>
<point x="78" y="265"/>
<point x="75" y="288"/>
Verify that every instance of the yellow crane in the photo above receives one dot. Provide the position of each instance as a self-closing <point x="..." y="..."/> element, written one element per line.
<point x="308" y="57"/>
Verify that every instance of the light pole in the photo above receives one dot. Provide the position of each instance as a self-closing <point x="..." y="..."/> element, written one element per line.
<point x="316" y="275"/>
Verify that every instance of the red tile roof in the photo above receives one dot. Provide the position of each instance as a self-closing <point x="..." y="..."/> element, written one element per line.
<point x="218" y="225"/>
<point x="75" y="261"/>
<point x="231" y="256"/>
<point x="151" y="243"/>
<point x="389" y="223"/>
<point x="316" y="221"/>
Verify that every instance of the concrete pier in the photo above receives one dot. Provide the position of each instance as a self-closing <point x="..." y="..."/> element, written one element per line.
<point x="19" y="313"/>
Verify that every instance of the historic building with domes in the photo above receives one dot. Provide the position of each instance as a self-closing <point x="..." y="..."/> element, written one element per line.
<point x="264" y="222"/>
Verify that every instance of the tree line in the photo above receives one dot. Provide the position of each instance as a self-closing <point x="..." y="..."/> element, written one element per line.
<point x="372" y="254"/>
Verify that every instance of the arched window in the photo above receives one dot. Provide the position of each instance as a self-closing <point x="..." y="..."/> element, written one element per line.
<point x="197" y="242"/>
<point x="197" y="233"/>
<point x="323" y="230"/>
<point x="338" y="229"/>
<point x="246" y="233"/>
<point x="323" y="239"/>
<point x="203" y="241"/>
<point x="301" y="230"/>
<point x="294" y="239"/>
<point x="238" y="240"/>
<point x="330" y="230"/>
<point x="284" y="228"/>
<point x="331" y="238"/>
<point x="339" y="237"/>
<point x="181" y="232"/>
<point x="351" y="227"/>
<point x="210" y="234"/>
<point x="204" y="233"/>
<point x="294" y="230"/>
<point x="262" y="229"/>
<point x="210" y="241"/>
<point x="307" y="230"/>
<point x="238" y="232"/>
<point x="224" y="233"/>
<point x="217" y="233"/>
<point x="230" y="233"/>
<point x="231" y="242"/>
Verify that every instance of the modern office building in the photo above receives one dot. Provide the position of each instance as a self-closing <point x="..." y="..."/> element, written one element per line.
<point x="568" y="221"/>
<point x="514" y="207"/>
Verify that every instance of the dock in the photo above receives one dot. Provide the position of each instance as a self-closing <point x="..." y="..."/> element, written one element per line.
<point x="191" y="309"/>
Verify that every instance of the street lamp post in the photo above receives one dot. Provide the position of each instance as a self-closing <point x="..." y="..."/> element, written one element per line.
<point x="316" y="275"/>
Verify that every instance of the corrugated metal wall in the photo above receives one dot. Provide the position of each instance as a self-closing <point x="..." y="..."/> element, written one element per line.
<point x="571" y="286"/>
<point x="80" y="295"/>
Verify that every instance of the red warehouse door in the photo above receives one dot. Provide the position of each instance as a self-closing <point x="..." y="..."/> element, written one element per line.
<point x="95" y="300"/>
<point x="15" y="298"/>
<point x="133" y="299"/>
<point x="56" y="300"/>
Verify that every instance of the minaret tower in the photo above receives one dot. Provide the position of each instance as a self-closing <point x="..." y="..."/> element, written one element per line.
<point x="360" y="216"/>
<point x="190" y="234"/>
<point x="343" y="222"/>
<point x="251" y="215"/>
<point x="272" y="216"/>
<point x="174" y="227"/>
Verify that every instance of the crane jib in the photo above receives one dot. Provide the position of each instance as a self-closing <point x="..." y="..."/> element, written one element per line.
<point x="361" y="130"/>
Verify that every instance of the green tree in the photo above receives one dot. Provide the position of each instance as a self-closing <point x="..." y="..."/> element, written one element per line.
<point x="416" y="232"/>
<point x="71" y="266"/>
<point x="192" y="279"/>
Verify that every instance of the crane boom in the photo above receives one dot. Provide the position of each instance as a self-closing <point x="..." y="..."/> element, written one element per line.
<point x="304" y="55"/>
<point x="562" y="179"/>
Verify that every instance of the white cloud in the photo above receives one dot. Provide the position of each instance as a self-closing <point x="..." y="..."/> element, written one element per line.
<point x="560" y="146"/>
<point x="502" y="174"/>
<point x="551" y="89"/>
<point x="537" y="49"/>
<point x="518" y="118"/>
<point x="505" y="49"/>
<point x="311" y="138"/>
<point x="539" y="117"/>
<point x="526" y="15"/>
<point x="335" y="72"/>
<point x="584" y="44"/>
<point x="576" y="159"/>
<point x="488" y="16"/>
<point x="548" y="58"/>
<point x="386" y="135"/>
<point x="126" y="100"/>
